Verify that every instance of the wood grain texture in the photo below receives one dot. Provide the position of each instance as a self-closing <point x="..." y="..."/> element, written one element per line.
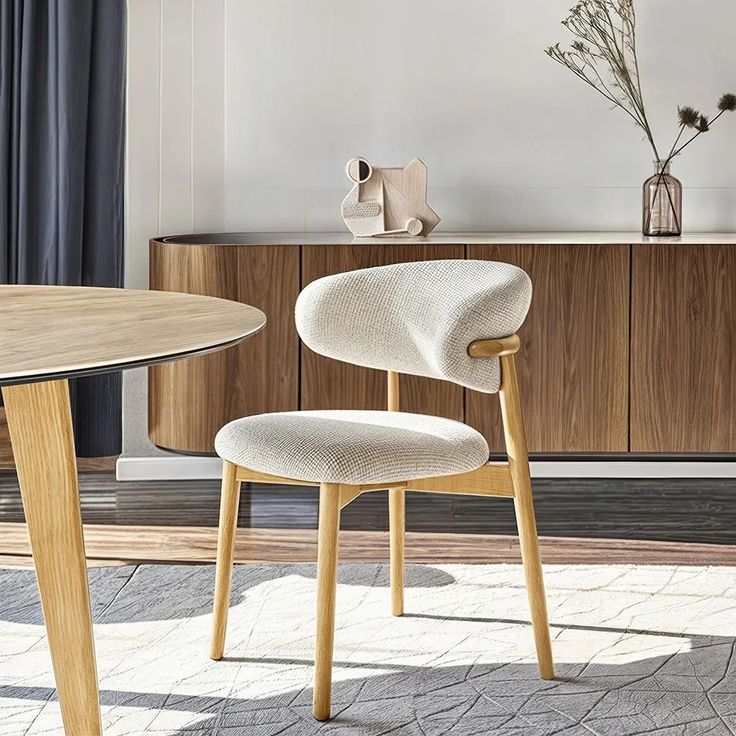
<point x="495" y="348"/>
<point x="674" y="510"/>
<point x="107" y="545"/>
<point x="396" y="513"/>
<point x="397" y="533"/>
<point x="330" y="384"/>
<point x="683" y="348"/>
<point x="225" y="545"/>
<point x="191" y="400"/>
<point x="327" y="555"/>
<point x="6" y="451"/>
<point x="59" y="331"/>
<point x="84" y="464"/>
<point x="573" y="364"/>
<point x="40" y="422"/>
<point x="513" y="427"/>
<point x="491" y="479"/>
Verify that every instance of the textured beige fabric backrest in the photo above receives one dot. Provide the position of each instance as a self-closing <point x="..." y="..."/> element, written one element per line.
<point x="416" y="318"/>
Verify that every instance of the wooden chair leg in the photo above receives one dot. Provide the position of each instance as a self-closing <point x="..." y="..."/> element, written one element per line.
<point x="396" y="524"/>
<point x="513" y="426"/>
<point x="329" y="527"/>
<point x="229" y="502"/>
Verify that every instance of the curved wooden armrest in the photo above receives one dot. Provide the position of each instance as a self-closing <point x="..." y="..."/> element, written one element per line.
<point x="494" y="348"/>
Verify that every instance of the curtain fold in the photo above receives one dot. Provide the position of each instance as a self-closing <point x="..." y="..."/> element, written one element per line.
<point x="62" y="113"/>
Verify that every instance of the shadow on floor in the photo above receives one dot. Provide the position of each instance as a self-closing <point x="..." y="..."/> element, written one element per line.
<point x="689" y="692"/>
<point x="193" y="591"/>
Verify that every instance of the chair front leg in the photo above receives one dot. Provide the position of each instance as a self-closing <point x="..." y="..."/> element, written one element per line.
<point x="524" y="506"/>
<point x="329" y="527"/>
<point x="229" y="502"/>
<point x="396" y="525"/>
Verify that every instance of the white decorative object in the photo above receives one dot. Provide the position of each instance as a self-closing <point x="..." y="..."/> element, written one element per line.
<point x="388" y="201"/>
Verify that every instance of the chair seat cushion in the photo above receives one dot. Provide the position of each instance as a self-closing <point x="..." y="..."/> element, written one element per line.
<point x="352" y="447"/>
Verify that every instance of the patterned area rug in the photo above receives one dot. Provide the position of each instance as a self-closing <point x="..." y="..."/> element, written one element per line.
<point x="639" y="650"/>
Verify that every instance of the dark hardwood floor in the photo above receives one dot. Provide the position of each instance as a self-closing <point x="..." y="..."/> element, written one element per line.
<point x="698" y="511"/>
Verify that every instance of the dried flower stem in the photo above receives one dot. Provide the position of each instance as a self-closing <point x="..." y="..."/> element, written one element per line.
<point x="675" y="151"/>
<point x="604" y="35"/>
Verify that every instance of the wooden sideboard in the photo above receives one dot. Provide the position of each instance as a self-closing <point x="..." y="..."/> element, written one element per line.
<point x="629" y="347"/>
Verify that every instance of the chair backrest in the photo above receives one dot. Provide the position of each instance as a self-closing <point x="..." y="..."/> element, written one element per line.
<point x="416" y="318"/>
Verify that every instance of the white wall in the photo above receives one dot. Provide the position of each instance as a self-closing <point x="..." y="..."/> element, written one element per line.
<point x="242" y="114"/>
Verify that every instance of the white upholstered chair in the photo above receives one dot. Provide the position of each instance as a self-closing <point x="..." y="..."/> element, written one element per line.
<point x="455" y="320"/>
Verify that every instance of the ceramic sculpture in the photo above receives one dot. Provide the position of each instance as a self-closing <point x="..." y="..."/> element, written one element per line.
<point x="388" y="201"/>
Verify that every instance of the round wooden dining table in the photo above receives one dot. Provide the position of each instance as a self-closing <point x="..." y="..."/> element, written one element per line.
<point x="49" y="334"/>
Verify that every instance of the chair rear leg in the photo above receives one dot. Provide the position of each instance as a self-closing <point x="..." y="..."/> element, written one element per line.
<point x="524" y="506"/>
<point x="396" y="524"/>
<point x="329" y="527"/>
<point x="229" y="502"/>
<point x="396" y="515"/>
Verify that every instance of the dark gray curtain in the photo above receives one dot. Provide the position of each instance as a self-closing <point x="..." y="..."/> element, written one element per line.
<point x="62" y="108"/>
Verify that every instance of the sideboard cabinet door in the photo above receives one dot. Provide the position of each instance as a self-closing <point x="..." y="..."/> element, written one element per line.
<point x="330" y="384"/>
<point x="683" y="348"/>
<point x="573" y="364"/>
<point x="188" y="401"/>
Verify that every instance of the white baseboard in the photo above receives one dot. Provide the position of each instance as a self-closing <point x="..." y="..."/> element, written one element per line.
<point x="165" y="467"/>
<point x="185" y="467"/>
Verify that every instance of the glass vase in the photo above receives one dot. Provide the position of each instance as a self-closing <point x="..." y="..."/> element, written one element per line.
<point x="662" y="205"/>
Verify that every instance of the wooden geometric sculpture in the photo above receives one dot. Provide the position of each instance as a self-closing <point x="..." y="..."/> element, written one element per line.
<point x="388" y="201"/>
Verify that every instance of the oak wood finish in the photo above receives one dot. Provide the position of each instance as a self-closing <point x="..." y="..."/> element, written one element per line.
<point x="349" y="494"/>
<point x="84" y="464"/>
<point x="683" y="348"/>
<point x="397" y="530"/>
<point x="492" y="479"/>
<point x="6" y="451"/>
<point x="254" y="476"/>
<point x="51" y="332"/>
<point x="225" y="548"/>
<point x="513" y="426"/>
<point x="189" y="401"/>
<point x="329" y="527"/>
<point x="330" y="384"/>
<point x="574" y="356"/>
<point x="510" y="479"/>
<point x="396" y="514"/>
<point x="494" y="348"/>
<point x="40" y="423"/>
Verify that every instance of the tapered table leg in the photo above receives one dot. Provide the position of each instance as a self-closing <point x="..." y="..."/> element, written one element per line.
<point x="39" y="420"/>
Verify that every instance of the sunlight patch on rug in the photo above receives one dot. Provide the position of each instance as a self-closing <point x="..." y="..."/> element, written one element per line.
<point x="638" y="650"/>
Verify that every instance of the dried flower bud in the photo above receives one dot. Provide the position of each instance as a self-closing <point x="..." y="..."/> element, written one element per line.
<point x="689" y="116"/>
<point x="703" y="125"/>
<point x="727" y="103"/>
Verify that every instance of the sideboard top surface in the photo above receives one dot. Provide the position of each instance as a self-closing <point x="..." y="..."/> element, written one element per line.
<point x="448" y="238"/>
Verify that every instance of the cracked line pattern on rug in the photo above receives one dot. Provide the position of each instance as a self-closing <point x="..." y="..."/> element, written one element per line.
<point x="638" y="649"/>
